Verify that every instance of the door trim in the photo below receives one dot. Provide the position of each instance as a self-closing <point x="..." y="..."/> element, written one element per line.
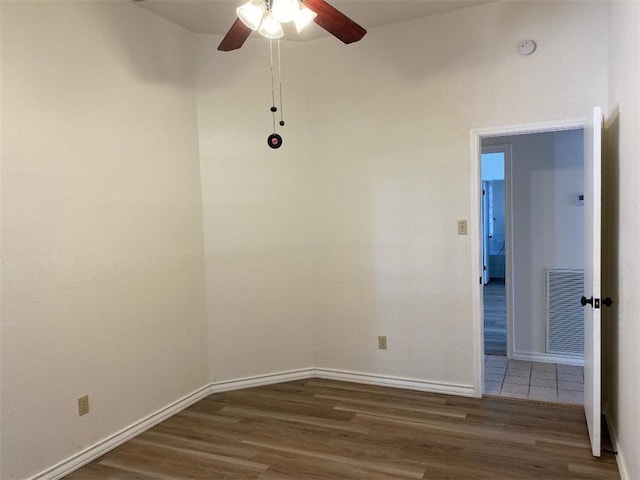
<point x="476" y="135"/>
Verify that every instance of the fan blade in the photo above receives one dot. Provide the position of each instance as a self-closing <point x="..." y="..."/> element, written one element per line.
<point x="235" y="37"/>
<point x="335" y="22"/>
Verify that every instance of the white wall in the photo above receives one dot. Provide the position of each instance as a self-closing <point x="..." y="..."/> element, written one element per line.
<point x="622" y="257"/>
<point x="394" y="178"/>
<point x="256" y="213"/>
<point x="102" y="273"/>
<point x="548" y="227"/>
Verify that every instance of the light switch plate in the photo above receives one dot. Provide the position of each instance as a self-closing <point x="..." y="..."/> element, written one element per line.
<point x="462" y="227"/>
<point x="83" y="405"/>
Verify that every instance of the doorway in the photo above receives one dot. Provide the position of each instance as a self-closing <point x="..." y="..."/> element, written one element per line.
<point x="513" y="283"/>
<point x="493" y="163"/>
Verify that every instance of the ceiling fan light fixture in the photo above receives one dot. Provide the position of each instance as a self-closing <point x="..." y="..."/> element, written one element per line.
<point x="252" y="13"/>
<point x="303" y="18"/>
<point x="285" y="11"/>
<point x="270" y="27"/>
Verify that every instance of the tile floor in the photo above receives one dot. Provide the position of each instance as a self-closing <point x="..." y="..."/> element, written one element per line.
<point x="547" y="382"/>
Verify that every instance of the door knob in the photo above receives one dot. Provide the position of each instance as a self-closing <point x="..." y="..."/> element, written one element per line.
<point x="607" y="302"/>
<point x="585" y="300"/>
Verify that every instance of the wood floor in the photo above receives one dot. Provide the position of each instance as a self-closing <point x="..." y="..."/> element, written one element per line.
<point x="322" y="429"/>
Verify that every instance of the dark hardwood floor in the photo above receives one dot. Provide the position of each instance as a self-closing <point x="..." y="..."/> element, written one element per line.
<point x="495" y="318"/>
<point x="321" y="429"/>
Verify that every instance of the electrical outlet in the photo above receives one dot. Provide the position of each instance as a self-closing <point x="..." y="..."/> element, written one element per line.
<point x="462" y="227"/>
<point x="83" y="405"/>
<point x="382" y="343"/>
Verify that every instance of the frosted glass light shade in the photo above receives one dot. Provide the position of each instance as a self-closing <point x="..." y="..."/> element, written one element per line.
<point x="285" y="10"/>
<point x="252" y="13"/>
<point x="303" y="18"/>
<point x="270" y="27"/>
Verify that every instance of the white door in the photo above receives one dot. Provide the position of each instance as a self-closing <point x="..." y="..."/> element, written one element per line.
<point x="592" y="299"/>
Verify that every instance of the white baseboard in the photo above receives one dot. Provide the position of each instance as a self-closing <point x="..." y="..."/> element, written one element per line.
<point x="620" y="457"/>
<point x="346" y="376"/>
<point x="548" y="358"/>
<point x="97" y="450"/>
<point x="396" y="382"/>
<point x="260" y="380"/>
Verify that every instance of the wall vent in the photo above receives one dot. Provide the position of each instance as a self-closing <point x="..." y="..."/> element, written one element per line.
<point x="565" y="315"/>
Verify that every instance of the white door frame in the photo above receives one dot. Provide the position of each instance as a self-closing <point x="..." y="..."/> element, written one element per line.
<point x="475" y="224"/>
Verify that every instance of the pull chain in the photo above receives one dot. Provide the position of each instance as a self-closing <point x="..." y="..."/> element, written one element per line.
<point x="280" y="81"/>
<point x="273" y="94"/>
<point x="274" y="140"/>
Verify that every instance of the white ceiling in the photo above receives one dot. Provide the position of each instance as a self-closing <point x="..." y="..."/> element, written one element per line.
<point x="217" y="16"/>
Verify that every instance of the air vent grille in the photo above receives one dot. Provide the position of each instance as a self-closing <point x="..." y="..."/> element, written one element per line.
<point x="565" y="315"/>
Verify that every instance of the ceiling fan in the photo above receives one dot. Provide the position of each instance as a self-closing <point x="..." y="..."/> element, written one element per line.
<point x="266" y="17"/>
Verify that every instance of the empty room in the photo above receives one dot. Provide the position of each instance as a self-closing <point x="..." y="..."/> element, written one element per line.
<point x="231" y="256"/>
